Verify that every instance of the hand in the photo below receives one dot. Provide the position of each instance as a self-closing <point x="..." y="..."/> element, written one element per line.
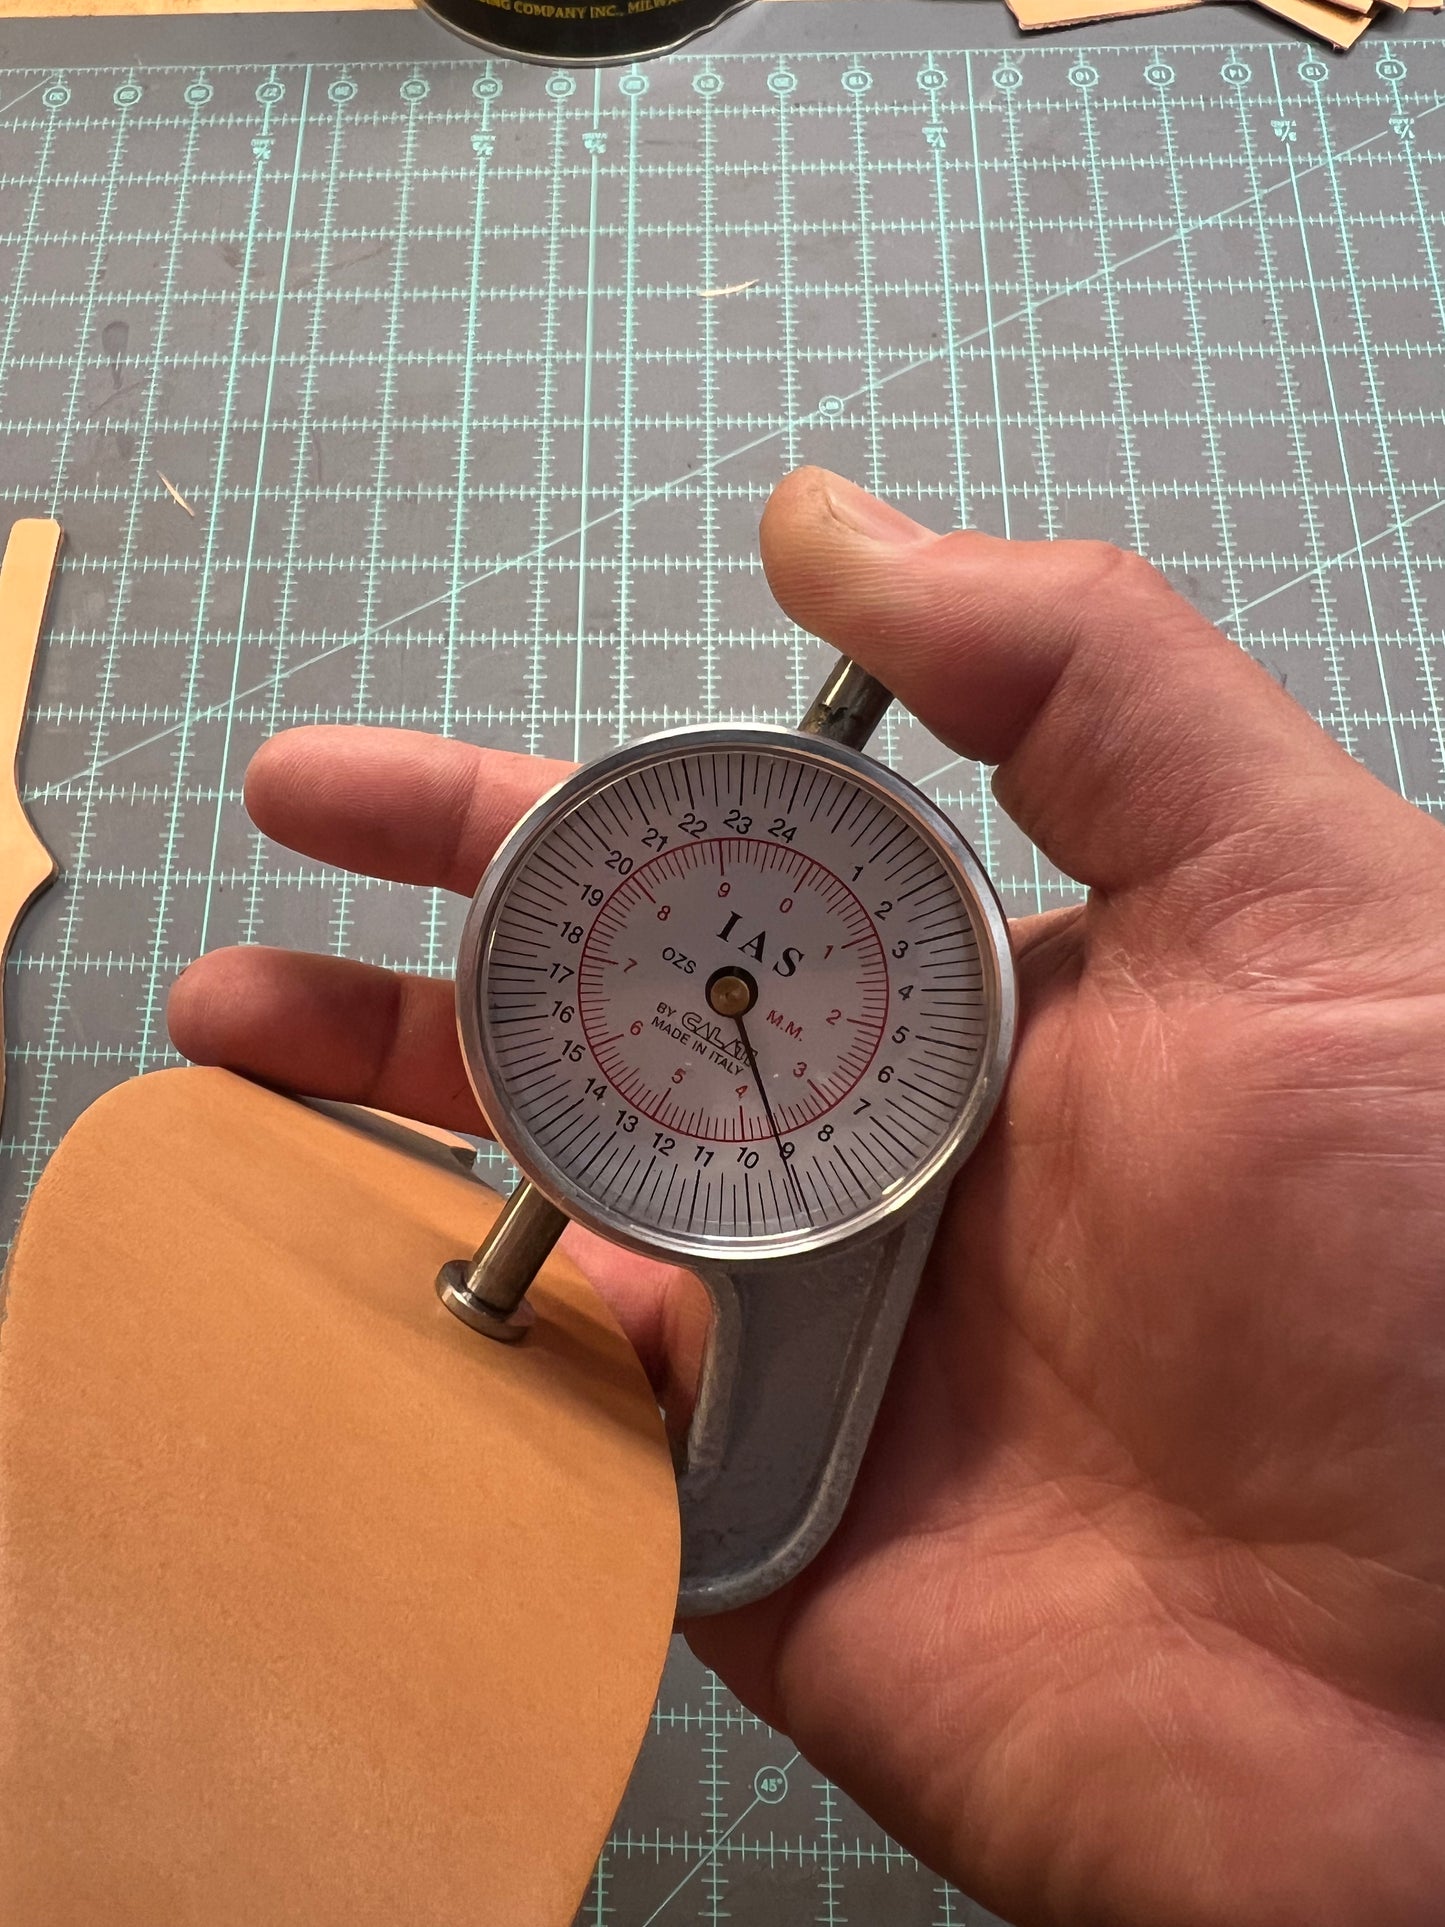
<point x="1137" y="1614"/>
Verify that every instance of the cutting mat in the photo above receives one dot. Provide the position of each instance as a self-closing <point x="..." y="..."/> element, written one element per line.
<point x="471" y="381"/>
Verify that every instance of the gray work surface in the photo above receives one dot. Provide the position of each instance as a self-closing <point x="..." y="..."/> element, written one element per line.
<point x="431" y="348"/>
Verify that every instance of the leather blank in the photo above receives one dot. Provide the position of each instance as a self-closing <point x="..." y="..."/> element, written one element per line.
<point x="315" y="1606"/>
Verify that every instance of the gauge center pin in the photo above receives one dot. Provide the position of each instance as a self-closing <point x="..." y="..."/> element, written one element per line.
<point x="731" y="992"/>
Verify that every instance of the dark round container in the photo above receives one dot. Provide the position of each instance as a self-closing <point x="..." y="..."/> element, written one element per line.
<point x="580" y="33"/>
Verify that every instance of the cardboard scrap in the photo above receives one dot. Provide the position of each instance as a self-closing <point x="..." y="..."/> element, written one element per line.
<point x="315" y="1606"/>
<point x="1335" y="24"/>
<point x="1341" y="22"/>
<point x="1352" y="6"/>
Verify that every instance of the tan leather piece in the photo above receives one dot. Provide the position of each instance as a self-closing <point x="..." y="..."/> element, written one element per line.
<point x="316" y="1608"/>
<point x="32" y="552"/>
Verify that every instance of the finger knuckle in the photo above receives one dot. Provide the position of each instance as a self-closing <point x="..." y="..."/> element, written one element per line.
<point x="1104" y="568"/>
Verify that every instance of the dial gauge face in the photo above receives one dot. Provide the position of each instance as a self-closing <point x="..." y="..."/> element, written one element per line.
<point x="727" y="994"/>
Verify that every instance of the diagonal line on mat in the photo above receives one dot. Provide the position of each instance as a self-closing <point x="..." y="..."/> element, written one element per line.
<point x="338" y="648"/>
<point x="7" y="105"/>
<point x="732" y="454"/>
<point x="698" y="1866"/>
<point x="1305" y="575"/>
<point x="1028" y="309"/>
<point x="1345" y="555"/>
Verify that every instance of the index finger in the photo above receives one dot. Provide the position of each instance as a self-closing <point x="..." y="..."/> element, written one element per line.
<point x="393" y="803"/>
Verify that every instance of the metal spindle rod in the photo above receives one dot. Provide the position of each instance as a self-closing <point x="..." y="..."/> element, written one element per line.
<point x="849" y="706"/>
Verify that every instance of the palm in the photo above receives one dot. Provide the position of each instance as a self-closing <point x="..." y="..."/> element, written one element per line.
<point x="1133" y="1442"/>
<point x="1138" y="1611"/>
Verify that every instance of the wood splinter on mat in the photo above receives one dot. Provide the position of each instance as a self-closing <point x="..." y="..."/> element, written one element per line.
<point x="26" y="866"/>
<point x="175" y="494"/>
<point x="315" y="1607"/>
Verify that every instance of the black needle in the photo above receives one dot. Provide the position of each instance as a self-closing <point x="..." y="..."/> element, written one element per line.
<point x="790" y="1176"/>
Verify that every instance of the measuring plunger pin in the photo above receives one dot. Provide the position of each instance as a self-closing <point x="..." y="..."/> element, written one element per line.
<point x="489" y="1292"/>
<point x="849" y="706"/>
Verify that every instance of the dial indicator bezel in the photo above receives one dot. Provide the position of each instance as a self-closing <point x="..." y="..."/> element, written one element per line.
<point x="931" y="825"/>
